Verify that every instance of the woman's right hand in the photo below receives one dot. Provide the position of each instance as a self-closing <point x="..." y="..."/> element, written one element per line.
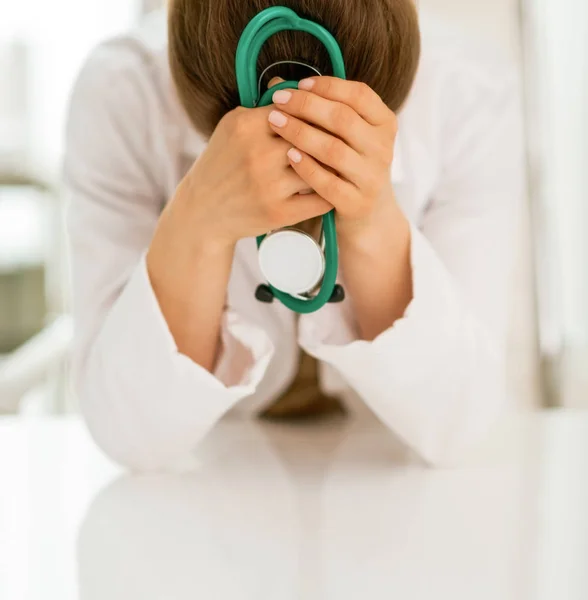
<point x="242" y="185"/>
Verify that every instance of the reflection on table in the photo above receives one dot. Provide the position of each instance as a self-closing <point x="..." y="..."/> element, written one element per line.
<point x="340" y="511"/>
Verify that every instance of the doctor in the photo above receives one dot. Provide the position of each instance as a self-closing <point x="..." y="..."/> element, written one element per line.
<point x="170" y="182"/>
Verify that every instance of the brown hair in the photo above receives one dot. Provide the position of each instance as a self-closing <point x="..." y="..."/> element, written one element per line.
<point x="380" y="41"/>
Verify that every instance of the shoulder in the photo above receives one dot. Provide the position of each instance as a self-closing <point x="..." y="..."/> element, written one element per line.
<point x="124" y="101"/>
<point x="133" y="60"/>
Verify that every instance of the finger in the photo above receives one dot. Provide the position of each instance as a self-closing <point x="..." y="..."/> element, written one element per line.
<point x="277" y="153"/>
<point x="302" y="208"/>
<point x="336" y="117"/>
<point x="359" y="96"/>
<point x="276" y="166"/>
<point x="337" y="192"/>
<point x="326" y="148"/>
<point x="249" y="123"/>
<point x="274" y="81"/>
<point x="293" y="184"/>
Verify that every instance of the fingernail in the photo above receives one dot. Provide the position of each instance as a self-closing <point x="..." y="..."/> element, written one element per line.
<point x="306" y="84"/>
<point x="282" y="97"/>
<point x="294" y="155"/>
<point x="278" y="119"/>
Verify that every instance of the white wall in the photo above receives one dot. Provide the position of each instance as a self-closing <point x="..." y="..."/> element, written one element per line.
<point x="557" y="53"/>
<point x="497" y="22"/>
<point x="493" y="20"/>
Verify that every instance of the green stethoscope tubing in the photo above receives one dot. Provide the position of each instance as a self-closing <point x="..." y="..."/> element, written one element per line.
<point x="265" y="25"/>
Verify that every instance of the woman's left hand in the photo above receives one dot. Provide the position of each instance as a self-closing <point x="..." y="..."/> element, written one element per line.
<point x="343" y="139"/>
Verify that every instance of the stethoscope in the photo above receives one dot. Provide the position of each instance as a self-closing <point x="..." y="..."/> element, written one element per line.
<point x="300" y="271"/>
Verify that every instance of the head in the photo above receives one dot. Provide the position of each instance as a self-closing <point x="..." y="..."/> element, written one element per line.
<point x="380" y="41"/>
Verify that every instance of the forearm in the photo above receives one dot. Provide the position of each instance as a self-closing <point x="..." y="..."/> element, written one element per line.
<point x="376" y="268"/>
<point x="190" y="282"/>
<point x="438" y="380"/>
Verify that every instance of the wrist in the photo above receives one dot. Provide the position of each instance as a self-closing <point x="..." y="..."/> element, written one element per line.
<point x="174" y="265"/>
<point x="385" y="229"/>
<point x="206" y="230"/>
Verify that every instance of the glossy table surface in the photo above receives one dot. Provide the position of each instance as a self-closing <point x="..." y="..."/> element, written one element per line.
<point x="324" y="512"/>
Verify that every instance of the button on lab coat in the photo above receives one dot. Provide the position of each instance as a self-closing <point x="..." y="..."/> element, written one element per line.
<point x="436" y="378"/>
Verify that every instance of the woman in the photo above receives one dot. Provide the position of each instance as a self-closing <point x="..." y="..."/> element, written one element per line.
<point x="419" y="153"/>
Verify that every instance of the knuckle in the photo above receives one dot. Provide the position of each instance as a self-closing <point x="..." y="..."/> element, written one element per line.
<point x="237" y="112"/>
<point x="241" y="123"/>
<point x="312" y="172"/>
<point x="226" y="124"/>
<point x="335" y="151"/>
<point x="306" y="104"/>
<point x="363" y="91"/>
<point x="297" y="133"/>
<point x="343" y="117"/>
<point x="329" y="84"/>
<point x="333" y="188"/>
<point x="229" y="118"/>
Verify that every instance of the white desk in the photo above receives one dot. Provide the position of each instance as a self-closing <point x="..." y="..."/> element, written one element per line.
<point x="279" y="514"/>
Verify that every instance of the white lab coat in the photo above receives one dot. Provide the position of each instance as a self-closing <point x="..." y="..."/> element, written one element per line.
<point x="436" y="378"/>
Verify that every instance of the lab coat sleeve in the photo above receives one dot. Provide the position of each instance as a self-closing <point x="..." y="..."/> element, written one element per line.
<point x="146" y="404"/>
<point x="437" y="377"/>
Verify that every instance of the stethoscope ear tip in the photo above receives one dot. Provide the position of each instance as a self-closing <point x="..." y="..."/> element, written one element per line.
<point x="338" y="295"/>
<point x="264" y="294"/>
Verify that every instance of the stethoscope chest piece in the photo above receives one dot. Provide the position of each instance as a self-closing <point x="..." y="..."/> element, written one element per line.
<point x="292" y="261"/>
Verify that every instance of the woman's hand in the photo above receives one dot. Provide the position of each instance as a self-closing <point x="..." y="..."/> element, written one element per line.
<point x="242" y="185"/>
<point x="342" y="139"/>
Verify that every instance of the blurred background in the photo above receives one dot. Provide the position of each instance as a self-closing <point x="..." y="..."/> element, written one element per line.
<point x="42" y="47"/>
